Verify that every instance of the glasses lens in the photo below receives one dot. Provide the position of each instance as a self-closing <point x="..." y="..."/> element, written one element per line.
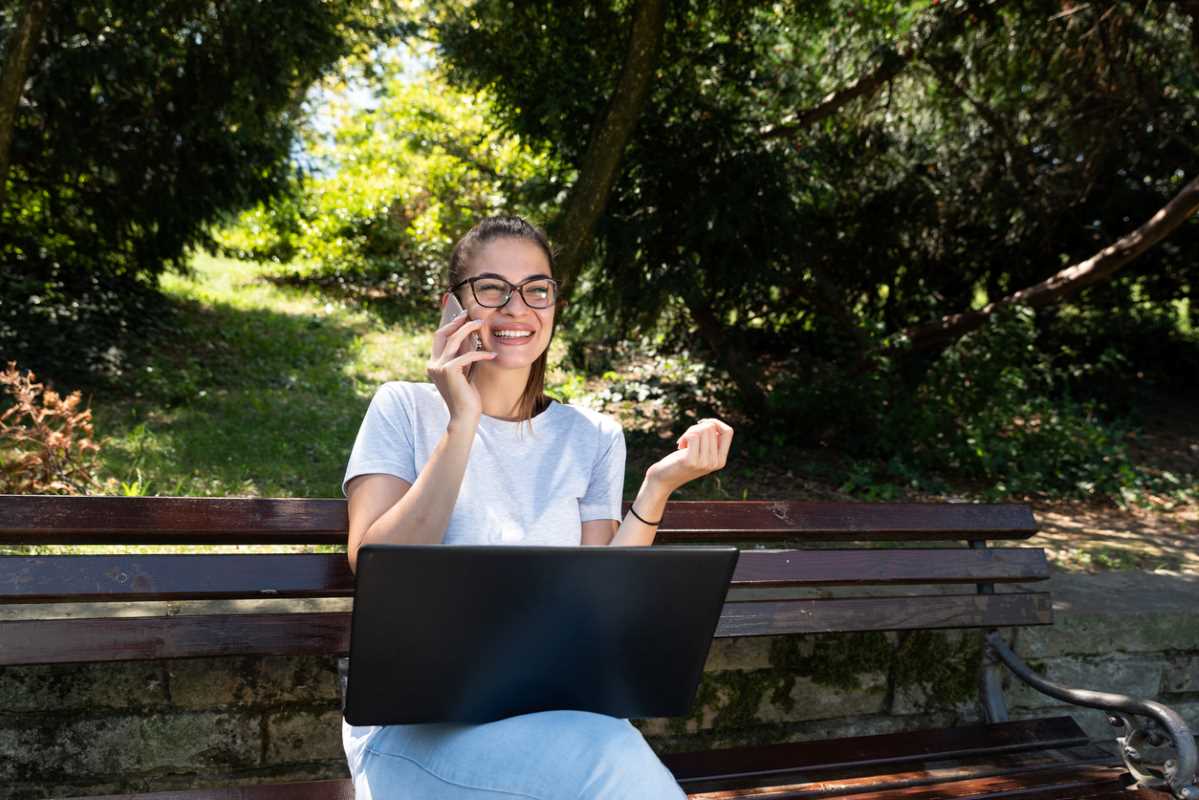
<point x="539" y="294"/>
<point x="490" y="292"/>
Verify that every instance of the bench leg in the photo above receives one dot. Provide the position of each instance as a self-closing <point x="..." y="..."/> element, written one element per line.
<point x="990" y="687"/>
<point x="1161" y="725"/>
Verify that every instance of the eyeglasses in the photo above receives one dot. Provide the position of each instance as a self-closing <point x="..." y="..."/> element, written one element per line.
<point x="495" y="292"/>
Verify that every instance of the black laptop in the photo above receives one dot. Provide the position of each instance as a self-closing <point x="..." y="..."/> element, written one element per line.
<point x="477" y="633"/>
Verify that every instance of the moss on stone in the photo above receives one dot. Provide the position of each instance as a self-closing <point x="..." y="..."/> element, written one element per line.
<point x="837" y="659"/>
<point x="944" y="667"/>
<point x="733" y="697"/>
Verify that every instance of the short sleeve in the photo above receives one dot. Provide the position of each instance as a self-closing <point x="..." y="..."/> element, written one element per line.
<point x="606" y="487"/>
<point x="385" y="441"/>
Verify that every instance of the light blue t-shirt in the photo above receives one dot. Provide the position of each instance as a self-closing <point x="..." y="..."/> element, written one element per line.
<point x="533" y="487"/>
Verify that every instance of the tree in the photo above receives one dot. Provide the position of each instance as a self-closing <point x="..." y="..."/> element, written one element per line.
<point x="143" y="123"/>
<point x="936" y="170"/>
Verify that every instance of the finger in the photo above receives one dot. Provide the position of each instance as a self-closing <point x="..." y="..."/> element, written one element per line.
<point x="691" y="431"/>
<point x="707" y="447"/>
<point x="445" y="329"/>
<point x="442" y="333"/>
<point x="466" y="358"/>
<point x="696" y="451"/>
<point x="726" y="441"/>
<point x="454" y="342"/>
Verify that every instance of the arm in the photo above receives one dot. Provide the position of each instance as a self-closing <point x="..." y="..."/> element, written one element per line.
<point x="703" y="449"/>
<point x="383" y="508"/>
<point x="387" y="509"/>
<point x="650" y="503"/>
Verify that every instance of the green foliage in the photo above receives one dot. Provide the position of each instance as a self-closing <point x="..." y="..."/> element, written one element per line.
<point x="141" y="123"/>
<point x="404" y="178"/>
<point x="995" y="411"/>
<point x="974" y="172"/>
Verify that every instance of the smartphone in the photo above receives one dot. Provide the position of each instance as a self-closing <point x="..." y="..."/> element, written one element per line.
<point x="451" y="309"/>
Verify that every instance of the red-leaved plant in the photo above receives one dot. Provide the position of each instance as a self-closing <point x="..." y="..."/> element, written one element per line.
<point x="46" y="442"/>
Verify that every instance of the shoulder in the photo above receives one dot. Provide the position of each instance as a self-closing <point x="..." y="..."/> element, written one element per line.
<point x="404" y="398"/>
<point x="407" y="393"/>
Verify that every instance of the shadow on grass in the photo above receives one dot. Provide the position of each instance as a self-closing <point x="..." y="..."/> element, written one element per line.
<point x="234" y="402"/>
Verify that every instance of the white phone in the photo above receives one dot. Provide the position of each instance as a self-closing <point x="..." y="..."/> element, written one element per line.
<point x="451" y="309"/>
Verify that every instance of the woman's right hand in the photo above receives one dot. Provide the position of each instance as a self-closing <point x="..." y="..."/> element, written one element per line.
<point x="447" y="371"/>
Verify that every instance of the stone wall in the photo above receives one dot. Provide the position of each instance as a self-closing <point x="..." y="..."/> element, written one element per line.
<point x="75" y="730"/>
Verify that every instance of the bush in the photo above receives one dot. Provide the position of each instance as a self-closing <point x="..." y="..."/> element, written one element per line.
<point x="46" y="442"/>
<point x="993" y="409"/>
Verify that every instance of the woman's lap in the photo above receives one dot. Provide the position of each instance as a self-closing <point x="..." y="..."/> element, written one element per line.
<point x="573" y="755"/>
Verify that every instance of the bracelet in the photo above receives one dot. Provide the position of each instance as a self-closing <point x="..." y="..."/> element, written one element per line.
<point x="638" y="516"/>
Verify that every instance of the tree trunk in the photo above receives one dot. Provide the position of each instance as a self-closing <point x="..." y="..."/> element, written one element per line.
<point x="597" y="174"/>
<point x="1099" y="267"/>
<point x="18" y="51"/>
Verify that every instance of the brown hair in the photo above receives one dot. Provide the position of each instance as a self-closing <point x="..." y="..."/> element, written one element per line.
<point x="507" y="226"/>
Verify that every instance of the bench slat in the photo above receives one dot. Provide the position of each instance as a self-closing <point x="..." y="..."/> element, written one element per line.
<point x="45" y="641"/>
<point x="1075" y="782"/>
<point x="33" y="519"/>
<point x="887" y="748"/>
<point x="47" y="579"/>
<point x="774" y="617"/>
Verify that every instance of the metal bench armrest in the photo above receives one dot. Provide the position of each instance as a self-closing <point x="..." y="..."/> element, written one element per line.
<point x="1177" y="774"/>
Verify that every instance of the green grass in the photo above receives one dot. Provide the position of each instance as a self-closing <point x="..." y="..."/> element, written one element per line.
<point x="258" y="390"/>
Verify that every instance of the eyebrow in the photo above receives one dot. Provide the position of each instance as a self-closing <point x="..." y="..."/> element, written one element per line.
<point x="501" y="277"/>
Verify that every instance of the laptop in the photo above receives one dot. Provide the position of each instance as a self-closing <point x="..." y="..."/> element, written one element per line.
<point x="478" y="633"/>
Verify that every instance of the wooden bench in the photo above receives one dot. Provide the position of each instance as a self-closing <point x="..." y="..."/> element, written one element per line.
<point x="933" y="562"/>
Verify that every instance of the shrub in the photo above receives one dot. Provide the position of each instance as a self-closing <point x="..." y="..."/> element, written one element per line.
<point x="46" y="442"/>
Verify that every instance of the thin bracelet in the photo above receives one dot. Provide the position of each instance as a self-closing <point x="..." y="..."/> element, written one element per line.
<point x="638" y="516"/>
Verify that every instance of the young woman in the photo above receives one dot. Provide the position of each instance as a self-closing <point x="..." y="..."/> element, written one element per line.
<point x="451" y="462"/>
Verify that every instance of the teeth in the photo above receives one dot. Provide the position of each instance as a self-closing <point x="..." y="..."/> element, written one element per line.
<point x="513" y="335"/>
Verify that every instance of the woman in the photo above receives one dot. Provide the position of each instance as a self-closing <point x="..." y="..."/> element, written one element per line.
<point x="449" y="462"/>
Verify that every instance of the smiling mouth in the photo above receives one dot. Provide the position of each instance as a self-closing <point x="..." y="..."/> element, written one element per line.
<point x="512" y="340"/>
<point x="502" y="342"/>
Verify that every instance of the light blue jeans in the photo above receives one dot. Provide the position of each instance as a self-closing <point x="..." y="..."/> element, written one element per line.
<point x="550" y="755"/>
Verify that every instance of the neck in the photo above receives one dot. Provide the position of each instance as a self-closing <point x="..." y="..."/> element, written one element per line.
<point x="500" y="389"/>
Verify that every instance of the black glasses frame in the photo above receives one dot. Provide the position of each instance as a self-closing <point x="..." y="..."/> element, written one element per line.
<point x="520" y="287"/>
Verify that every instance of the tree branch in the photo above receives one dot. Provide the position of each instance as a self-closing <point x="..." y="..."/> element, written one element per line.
<point x="18" y="51"/>
<point x="597" y="174"/>
<point x="868" y="85"/>
<point x="1098" y="267"/>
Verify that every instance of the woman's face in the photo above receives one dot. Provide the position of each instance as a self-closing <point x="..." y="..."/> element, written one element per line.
<point x="514" y="260"/>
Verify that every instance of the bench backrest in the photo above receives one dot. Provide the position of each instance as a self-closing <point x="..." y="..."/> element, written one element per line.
<point x="134" y="605"/>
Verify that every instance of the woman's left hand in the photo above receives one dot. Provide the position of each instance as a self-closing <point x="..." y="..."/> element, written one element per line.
<point x="702" y="449"/>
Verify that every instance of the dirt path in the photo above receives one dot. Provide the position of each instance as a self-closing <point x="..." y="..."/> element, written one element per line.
<point x="1091" y="538"/>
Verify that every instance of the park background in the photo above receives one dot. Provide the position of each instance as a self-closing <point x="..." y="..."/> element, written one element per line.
<point x="910" y="250"/>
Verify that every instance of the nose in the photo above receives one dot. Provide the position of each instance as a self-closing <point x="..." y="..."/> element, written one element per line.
<point x="516" y="297"/>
